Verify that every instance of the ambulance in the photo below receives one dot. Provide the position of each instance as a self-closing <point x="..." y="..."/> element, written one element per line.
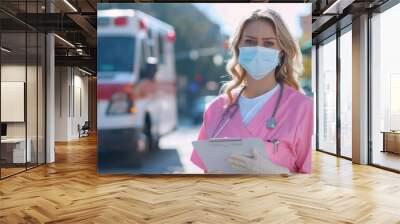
<point x="136" y="86"/>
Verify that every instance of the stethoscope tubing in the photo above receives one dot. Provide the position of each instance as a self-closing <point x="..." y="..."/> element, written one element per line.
<point x="235" y="104"/>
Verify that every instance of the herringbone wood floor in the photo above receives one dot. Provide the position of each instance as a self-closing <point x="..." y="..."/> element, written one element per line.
<point x="70" y="191"/>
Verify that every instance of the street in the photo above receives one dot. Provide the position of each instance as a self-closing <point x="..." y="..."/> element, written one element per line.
<point x="174" y="154"/>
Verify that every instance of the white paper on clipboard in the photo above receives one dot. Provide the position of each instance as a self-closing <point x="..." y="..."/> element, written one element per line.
<point x="214" y="153"/>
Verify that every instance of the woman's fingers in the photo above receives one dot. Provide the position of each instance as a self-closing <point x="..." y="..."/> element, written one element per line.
<point x="237" y="164"/>
<point x="255" y="154"/>
<point x="239" y="168"/>
<point x="239" y="158"/>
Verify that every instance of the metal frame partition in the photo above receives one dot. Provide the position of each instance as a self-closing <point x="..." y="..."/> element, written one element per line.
<point x="340" y="27"/>
<point x="336" y="30"/>
<point x="36" y="33"/>
<point x="382" y="8"/>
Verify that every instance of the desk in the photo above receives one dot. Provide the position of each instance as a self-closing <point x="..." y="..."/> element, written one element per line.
<point x="391" y="141"/>
<point x="17" y="150"/>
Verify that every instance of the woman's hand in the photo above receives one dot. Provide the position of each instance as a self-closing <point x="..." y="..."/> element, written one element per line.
<point x="255" y="165"/>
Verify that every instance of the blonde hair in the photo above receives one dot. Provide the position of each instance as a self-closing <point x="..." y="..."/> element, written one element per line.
<point x="291" y="61"/>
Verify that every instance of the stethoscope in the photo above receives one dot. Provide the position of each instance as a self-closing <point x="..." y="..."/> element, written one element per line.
<point x="233" y="108"/>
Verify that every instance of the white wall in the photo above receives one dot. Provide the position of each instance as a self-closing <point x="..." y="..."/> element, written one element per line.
<point x="12" y="73"/>
<point x="71" y="102"/>
<point x="81" y="84"/>
<point x="61" y="103"/>
<point x="33" y="126"/>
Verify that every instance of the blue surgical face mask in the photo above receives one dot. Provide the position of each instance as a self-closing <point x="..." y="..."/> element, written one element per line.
<point x="258" y="61"/>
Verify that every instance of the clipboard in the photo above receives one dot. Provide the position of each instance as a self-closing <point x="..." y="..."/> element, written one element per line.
<point x="215" y="152"/>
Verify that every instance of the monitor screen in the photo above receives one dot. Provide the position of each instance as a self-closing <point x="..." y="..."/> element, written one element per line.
<point x="3" y="129"/>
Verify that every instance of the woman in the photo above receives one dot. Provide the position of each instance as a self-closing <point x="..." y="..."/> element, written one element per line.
<point x="264" y="67"/>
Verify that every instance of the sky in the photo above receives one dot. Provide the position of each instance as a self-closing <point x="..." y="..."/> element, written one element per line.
<point x="228" y="15"/>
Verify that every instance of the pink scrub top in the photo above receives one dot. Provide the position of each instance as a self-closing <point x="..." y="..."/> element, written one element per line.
<point x="294" y="128"/>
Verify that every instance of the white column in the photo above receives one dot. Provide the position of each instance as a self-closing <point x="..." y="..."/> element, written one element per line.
<point x="360" y="90"/>
<point x="50" y="92"/>
<point x="62" y="103"/>
<point x="314" y="92"/>
<point x="50" y="100"/>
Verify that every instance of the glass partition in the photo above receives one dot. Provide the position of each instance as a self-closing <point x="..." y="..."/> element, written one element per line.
<point x="22" y="92"/>
<point x="31" y="97"/>
<point x="14" y="153"/>
<point x="327" y="96"/>
<point x="346" y="94"/>
<point x="385" y="89"/>
<point x="41" y="78"/>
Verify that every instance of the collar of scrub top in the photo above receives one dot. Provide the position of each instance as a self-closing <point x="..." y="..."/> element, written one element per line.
<point x="233" y="108"/>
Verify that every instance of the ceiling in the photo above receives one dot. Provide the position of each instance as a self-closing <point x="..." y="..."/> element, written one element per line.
<point x="75" y="21"/>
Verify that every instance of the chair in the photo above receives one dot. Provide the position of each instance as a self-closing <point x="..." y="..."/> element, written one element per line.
<point x="84" y="130"/>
